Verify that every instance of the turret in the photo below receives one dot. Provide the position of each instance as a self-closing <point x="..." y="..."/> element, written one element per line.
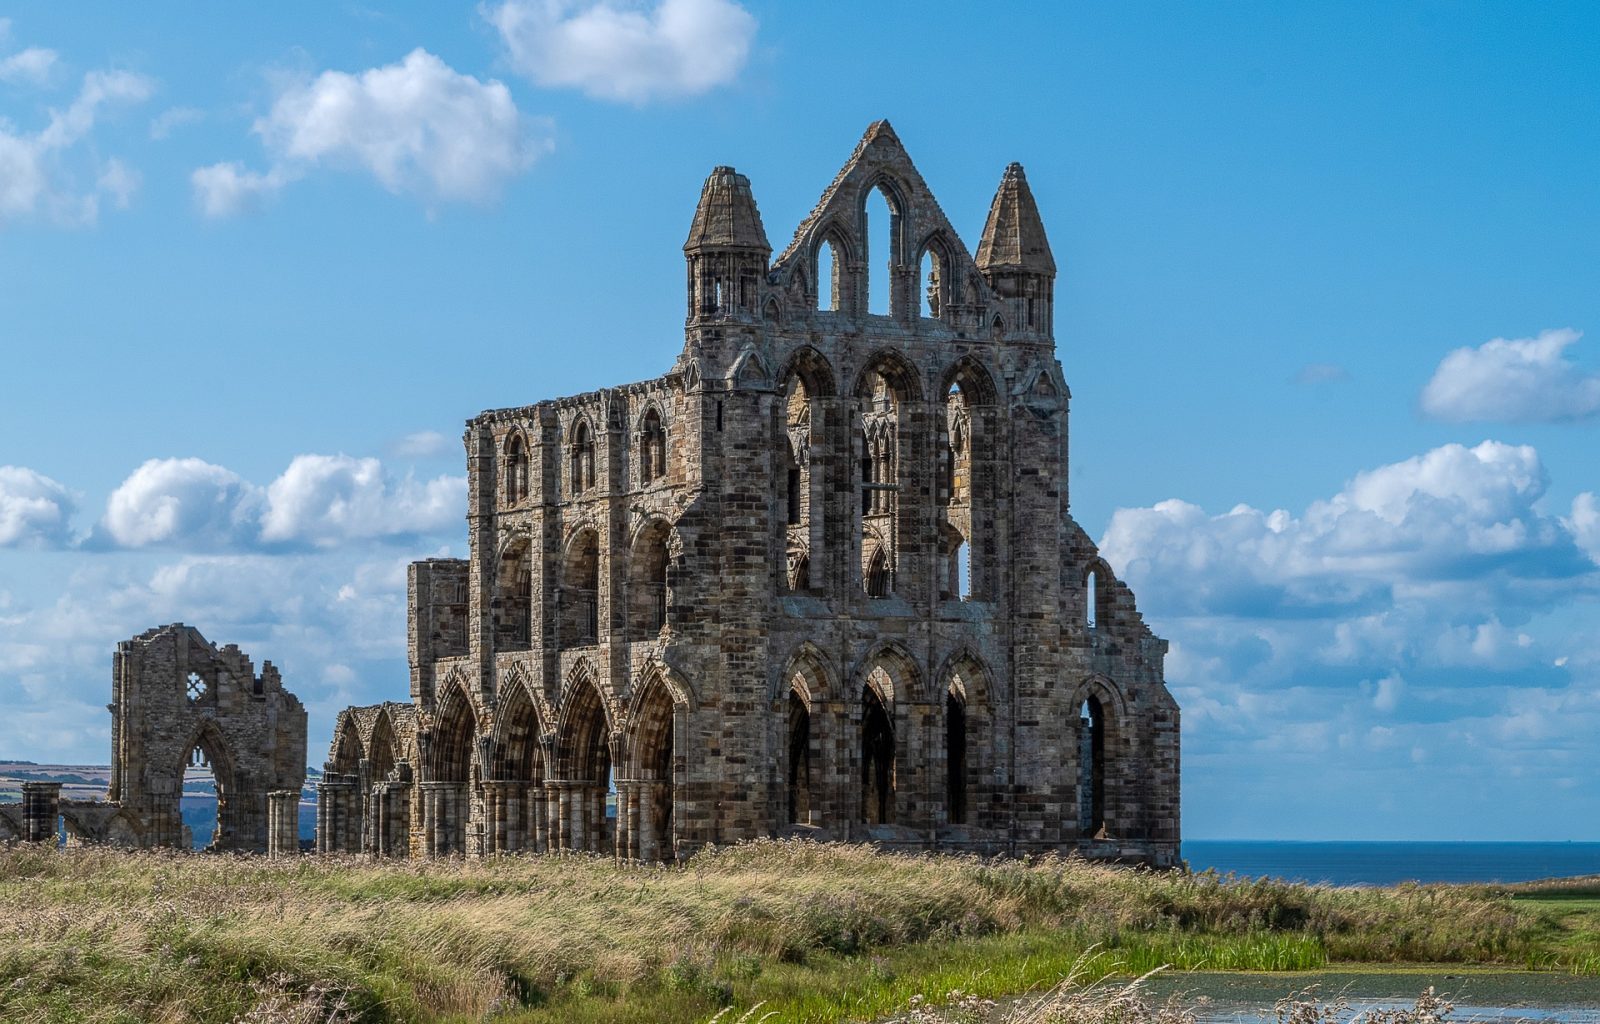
<point x="1014" y="255"/>
<point x="727" y="250"/>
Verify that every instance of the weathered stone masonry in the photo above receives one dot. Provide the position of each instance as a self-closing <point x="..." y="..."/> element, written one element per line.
<point x="818" y="579"/>
<point x="177" y="698"/>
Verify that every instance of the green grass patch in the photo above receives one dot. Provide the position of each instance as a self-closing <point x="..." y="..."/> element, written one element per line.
<point x="816" y="933"/>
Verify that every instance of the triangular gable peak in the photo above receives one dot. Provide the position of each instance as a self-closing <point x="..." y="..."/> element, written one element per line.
<point x="881" y="163"/>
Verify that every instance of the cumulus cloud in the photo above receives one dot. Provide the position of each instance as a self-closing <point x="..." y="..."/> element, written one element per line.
<point x="303" y="611"/>
<point x="40" y="171"/>
<point x="324" y="499"/>
<point x="1435" y="594"/>
<point x="417" y="126"/>
<point x="186" y="501"/>
<point x="1450" y="515"/>
<point x="1521" y="380"/>
<point x="629" y="52"/>
<point x="319" y="501"/>
<point x="34" y="509"/>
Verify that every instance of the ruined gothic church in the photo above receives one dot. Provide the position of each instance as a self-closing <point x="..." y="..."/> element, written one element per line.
<point x="818" y="579"/>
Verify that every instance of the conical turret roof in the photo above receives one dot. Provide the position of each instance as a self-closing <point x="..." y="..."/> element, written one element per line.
<point x="727" y="216"/>
<point x="1013" y="237"/>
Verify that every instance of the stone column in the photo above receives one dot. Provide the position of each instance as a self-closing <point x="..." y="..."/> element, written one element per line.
<point x="283" y="822"/>
<point x="493" y="838"/>
<point x="336" y="795"/>
<point x="41" y="812"/>
<point x="647" y="822"/>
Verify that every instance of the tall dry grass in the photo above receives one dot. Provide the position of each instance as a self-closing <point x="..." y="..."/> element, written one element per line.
<point x="110" y="936"/>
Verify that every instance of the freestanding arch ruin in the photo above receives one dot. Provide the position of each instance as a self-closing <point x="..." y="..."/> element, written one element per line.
<point x="820" y="578"/>
<point x="177" y="699"/>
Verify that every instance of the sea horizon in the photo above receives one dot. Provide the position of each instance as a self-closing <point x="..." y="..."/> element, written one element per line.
<point x="1392" y="862"/>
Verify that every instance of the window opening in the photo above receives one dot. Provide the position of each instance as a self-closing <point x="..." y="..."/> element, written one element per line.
<point x="827" y="278"/>
<point x="931" y="299"/>
<point x="955" y="726"/>
<point x="877" y="760"/>
<point x="799" y="760"/>
<point x="1091" y="770"/>
<point x="1091" y="599"/>
<point x="196" y="686"/>
<point x="880" y="252"/>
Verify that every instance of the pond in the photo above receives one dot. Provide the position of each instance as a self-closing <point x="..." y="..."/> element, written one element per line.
<point x="1486" y="996"/>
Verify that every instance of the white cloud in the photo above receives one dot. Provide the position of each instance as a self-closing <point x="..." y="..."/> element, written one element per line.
<point x="425" y="444"/>
<point x="1321" y="373"/>
<point x="165" y="123"/>
<point x="32" y="66"/>
<point x="35" y="173"/>
<point x="1453" y="515"/>
<point x="181" y="501"/>
<point x="226" y="189"/>
<point x="1389" y="689"/>
<point x="34" y="509"/>
<point x="1522" y="380"/>
<point x="629" y="52"/>
<point x="320" y="500"/>
<point x="323" y="499"/>
<point x="1585" y="523"/>
<point x="418" y="126"/>
<point x="55" y="653"/>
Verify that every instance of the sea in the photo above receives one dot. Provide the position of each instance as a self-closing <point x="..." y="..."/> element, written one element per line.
<point x="1390" y="863"/>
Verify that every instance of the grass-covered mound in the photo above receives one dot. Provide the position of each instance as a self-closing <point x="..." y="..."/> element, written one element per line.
<point x="818" y="932"/>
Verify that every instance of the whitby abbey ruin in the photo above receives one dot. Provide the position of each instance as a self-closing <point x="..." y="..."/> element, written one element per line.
<point x="818" y="579"/>
<point x="179" y="700"/>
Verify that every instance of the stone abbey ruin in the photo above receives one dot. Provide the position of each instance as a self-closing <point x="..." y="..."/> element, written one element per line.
<point x="177" y="700"/>
<point x="818" y="579"/>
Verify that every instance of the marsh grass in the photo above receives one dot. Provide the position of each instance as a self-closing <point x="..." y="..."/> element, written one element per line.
<point x="815" y="932"/>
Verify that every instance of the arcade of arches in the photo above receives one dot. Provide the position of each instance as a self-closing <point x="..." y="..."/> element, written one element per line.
<point x="819" y="578"/>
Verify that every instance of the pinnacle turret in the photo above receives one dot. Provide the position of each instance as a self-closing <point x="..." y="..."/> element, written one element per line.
<point x="1013" y="237"/>
<point x="727" y="217"/>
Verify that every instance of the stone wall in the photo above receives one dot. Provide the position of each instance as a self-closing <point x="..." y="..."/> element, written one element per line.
<point x="821" y="578"/>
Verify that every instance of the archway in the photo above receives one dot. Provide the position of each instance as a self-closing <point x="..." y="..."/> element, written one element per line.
<point x="1092" y="769"/>
<point x="955" y="743"/>
<point x="798" y="786"/>
<point x="447" y="796"/>
<point x="877" y="755"/>
<point x="584" y="747"/>
<point x="208" y="807"/>
<point x="652" y="794"/>
<point x="515" y="792"/>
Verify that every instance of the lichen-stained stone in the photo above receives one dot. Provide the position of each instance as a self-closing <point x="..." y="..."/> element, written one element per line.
<point x="818" y="579"/>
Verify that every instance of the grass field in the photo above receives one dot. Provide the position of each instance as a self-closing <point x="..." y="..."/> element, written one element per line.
<point x="817" y="933"/>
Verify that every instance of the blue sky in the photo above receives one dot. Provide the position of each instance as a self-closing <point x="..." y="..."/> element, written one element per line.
<point x="1326" y="273"/>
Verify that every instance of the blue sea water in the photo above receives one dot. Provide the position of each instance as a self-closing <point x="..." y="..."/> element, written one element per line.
<point x="1348" y="863"/>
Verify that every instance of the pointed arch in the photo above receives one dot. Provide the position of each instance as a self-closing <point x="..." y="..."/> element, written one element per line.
<point x="581" y="456"/>
<point x="209" y="747"/>
<point x="809" y="671"/>
<point x="898" y="372"/>
<point x="584" y="729"/>
<point x="514" y="473"/>
<point x="580" y="589"/>
<point x="652" y="445"/>
<point x="1098" y="600"/>
<point x="347" y="751"/>
<point x="518" y="738"/>
<point x="938" y="288"/>
<point x="813" y="369"/>
<point x="512" y="605"/>
<point x="455" y="733"/>
<point x="967" y="693"/>
<point x="383" y="749"/>
<point x="1102" y="748"/>
<point x="648" y="563"/>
